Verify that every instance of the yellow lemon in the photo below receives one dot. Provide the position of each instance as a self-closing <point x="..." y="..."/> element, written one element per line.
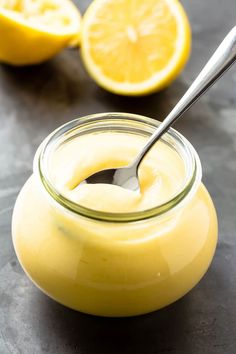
<point x="134" y="47"/>
<point x="32" y="31"/>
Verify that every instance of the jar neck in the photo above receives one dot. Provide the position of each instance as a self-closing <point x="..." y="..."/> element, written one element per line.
<point x="126" y="123"/>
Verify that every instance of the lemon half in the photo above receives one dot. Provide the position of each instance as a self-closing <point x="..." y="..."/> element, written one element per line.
<point x="32" y="31"/>
<point x="135" y="47"/>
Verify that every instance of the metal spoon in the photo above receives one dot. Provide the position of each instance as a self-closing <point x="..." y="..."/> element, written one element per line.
<point x="221" y="60"/>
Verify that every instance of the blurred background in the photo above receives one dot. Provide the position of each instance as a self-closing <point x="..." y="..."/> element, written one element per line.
<point x="37" y="99"/>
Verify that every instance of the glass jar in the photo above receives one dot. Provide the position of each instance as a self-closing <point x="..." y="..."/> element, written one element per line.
<point x="114" y="264"/>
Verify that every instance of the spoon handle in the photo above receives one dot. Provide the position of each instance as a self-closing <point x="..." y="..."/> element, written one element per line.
<point x="219" y="63"/>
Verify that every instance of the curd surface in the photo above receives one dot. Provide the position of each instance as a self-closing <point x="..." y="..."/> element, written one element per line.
<point x="161" y="173"/>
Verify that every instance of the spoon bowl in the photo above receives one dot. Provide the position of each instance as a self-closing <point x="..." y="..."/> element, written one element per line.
<point x="125" y="177"/>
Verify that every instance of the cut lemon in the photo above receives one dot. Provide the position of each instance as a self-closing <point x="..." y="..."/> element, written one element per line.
<point x="32" y="31"/>
<point x="134" y="47"/>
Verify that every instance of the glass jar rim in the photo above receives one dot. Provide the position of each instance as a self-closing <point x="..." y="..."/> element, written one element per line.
<point x="99" y="121"/>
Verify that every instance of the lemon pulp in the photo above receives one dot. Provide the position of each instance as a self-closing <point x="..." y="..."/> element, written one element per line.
<point x="34" y="31"/>
<point x="135" y="47"/>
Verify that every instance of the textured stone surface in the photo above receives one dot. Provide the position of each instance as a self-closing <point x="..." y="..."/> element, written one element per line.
<point x="34" y="101"/>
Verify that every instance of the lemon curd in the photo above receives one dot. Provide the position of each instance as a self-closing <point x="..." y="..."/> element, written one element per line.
<point x="104" y="250"/>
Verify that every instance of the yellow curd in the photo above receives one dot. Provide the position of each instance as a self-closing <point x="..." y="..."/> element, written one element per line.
<point x="104" y="250"/>
<point x="161" y="173"/>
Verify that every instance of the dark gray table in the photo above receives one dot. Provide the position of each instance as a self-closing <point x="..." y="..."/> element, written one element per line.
<point x="34" y="101"/>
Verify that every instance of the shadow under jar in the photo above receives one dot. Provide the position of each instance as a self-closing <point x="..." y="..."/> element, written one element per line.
<point x="106" y="263"/>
